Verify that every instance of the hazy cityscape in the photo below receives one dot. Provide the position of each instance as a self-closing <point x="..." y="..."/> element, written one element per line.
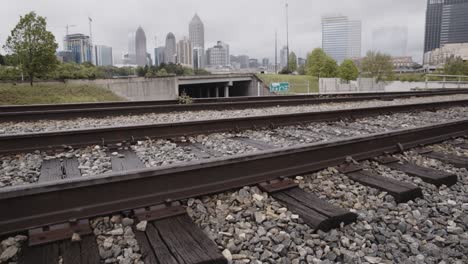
<point x="345" y="35"/>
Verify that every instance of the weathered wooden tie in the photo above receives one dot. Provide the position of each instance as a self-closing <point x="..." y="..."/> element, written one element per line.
<point x="126" y="160"/>
<point x="316" y="213"/>
<point x="436" y="177"/>
<point x="174" y="239"/>
<point x="455" y="160"/>
<point x="80" y="252"/>
<point x="56" y="169"/>
<point x="401" y="191"/>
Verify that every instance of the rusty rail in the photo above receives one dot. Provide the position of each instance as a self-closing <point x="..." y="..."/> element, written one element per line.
<point x="85" y="137"/>
<point x="36" y="205"/>
<point x="68" y="111"/>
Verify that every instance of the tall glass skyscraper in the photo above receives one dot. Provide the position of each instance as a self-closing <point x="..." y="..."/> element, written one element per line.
<point x="171" y="49"/>
<point x="140" y="47"/>
<point x="446" y="22"/>
<point x="103" y="55"/>
<point x="341" y="37"/>
<point x="197" y="38"/>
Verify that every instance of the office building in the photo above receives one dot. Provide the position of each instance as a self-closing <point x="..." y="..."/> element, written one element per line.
<point x="218" y="55"/>
<point x="243" y="61"/>
<point x="140" y="47"/>
<point x="103" y="55"/>
<point x="171" y="49"/>
<point x="253" y="63"/>
<point x="341" y="37"/>
<point x="65" y="56"/>
<point x="390" y="40"/>
<point x="130" y="56"/>
<point x="159" y="55"/>
<point x="80" y="46"/>
<point x="185" y="52"/>
<point x="446" y="23"/>
<point x="265" y="62"/>
<point x="197" y="38"/>
<point x="438" y="57"/>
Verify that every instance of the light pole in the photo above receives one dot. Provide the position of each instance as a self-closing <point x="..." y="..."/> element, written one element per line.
<point x="287" y="37"/>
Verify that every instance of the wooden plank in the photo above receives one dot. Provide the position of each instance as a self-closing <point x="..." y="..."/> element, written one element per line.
<point x="401" y="191"/>
<point x="51" y="170"/>
<point x="146" y="250"/>
<point x="455" y="160"/>
<point x="254" y="143"/>
<point x="89" y="250"/>
<point x="70" y="168"/>
<point x="128" y="161"/>
<point x="316" y="212"/>
<point x="70" y="252"/>
<point x="160" y="249"/>
<point x="428" y="175"/>
<point x="44" y="254"/>
<point x="203" y="240"/>
<point x="181" y="242"/>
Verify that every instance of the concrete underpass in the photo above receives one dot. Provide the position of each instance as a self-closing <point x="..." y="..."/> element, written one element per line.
<point x="208" y="90"/>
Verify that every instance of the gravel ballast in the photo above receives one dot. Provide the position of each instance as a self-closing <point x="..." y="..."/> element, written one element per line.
<point x="129" y="120"/>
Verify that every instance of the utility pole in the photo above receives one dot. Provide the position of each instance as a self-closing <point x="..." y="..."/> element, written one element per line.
<point x="276" y="51"/>
<point x="287" y="36"/>
<point x="91" y="40"/>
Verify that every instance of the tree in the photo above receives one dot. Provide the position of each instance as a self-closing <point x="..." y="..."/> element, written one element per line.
<point x="321" y="65"/>
<point x="292" y="62"/>
<point x="2" y="60"/>
<point x="348" y="70"/>
<point x="377" y="65"/>
<point x="32" y="46"/>
<point x="456" y="66"/>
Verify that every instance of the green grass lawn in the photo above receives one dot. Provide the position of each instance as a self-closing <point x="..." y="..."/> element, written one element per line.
<point x="23" y="94"/>
<point x="297" y="83"/>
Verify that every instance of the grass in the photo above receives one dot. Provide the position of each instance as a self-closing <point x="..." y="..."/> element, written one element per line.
<point x="23" y="94"/>
<point x="297" y="83"/>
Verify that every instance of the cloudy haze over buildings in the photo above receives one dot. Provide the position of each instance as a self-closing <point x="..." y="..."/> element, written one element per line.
<point x="245" y="32"/>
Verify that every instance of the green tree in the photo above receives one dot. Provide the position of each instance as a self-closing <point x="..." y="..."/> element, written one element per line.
<point x="292" y="62"/>
<point x="2" y="60"/>
<point x="32" y="46"/>
<point x="377" y="65"/>
<point x="456" y="66"/>
<point x="348" y="70"/>
<point x="321" y="65"/>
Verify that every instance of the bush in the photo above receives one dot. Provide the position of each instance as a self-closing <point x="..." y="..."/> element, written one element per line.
<point x="185" y="99"/>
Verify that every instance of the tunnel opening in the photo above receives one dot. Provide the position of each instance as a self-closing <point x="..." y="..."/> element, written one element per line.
<point x="213" y="90"/>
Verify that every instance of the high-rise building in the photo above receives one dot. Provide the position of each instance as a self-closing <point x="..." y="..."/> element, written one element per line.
<point x="265" y="62"/>
<point x="103" y="55"/>
<point x="185" y="52"/>
<point x="218" y="55"/>
<point x="140" y="47"/>
<point x="80" y="46"/>
<point x="197" y="38"/>
<point x="159" y="55"/>
<point x="283" y="58"/>
<point x="446" y="22"/>
<point x="253" y="63"/>
<point x="341" y="37"/>
<point x="171" y="49"/>
<point x="390" y="40"/>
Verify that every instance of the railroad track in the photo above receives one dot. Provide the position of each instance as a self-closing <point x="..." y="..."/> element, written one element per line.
<point x="152" y="195"/>
<point x="69" y="111"/>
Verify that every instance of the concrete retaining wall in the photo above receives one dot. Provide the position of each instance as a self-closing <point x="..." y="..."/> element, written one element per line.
<point x="408" y="86"/>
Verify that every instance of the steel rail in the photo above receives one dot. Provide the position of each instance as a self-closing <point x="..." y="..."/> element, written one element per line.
<point x="109" y="135"/>
<point x="36" y="205"/>
<point x="67" y="111"/>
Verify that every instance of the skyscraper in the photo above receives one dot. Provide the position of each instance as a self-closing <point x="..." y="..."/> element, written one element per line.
<point x="80" y="47"/>
<point x="185" y="52"/>
<point x="103" y="55"/>
<point x="159" y="55"/>
<point x="446" y="22"/>
<point x="390" y="40"/>
<point x="218" y="55"/>
<point x="170" y="50"/>
<point x="140" y="47"/>
<point x="197" y="36"/>
<point x="341" y="37"/>
<point x="283" y="58"/>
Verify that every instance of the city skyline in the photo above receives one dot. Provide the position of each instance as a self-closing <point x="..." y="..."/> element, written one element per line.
<point x="249" y="35"/>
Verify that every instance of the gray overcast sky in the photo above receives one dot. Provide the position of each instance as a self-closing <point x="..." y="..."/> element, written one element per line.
<point x="248" y="26"/>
